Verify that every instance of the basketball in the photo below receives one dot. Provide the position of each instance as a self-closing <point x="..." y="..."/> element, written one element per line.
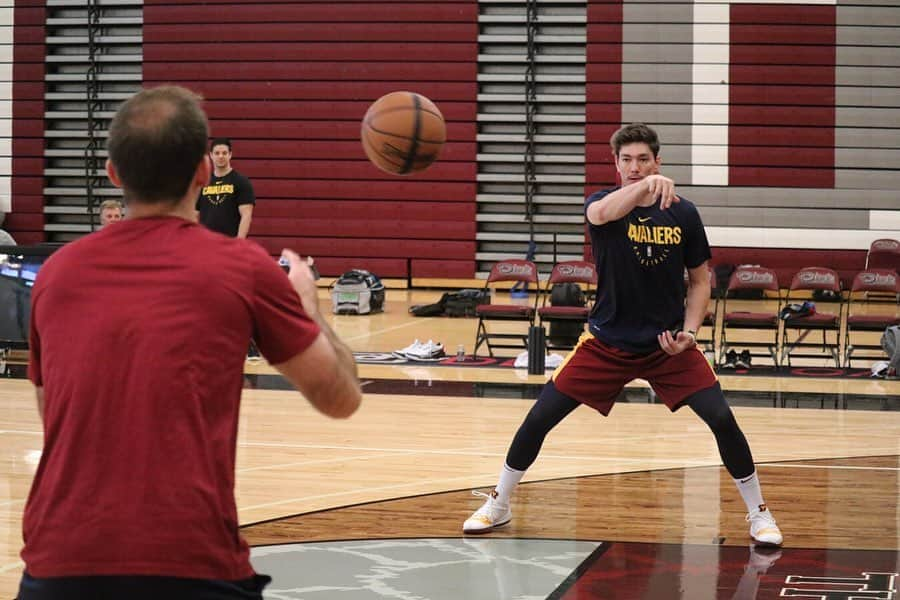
<point x="403" y="133"/>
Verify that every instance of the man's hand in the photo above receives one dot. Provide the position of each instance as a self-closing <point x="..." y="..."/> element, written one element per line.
<point x="663" y="188"/>
<point x="302" y="279"/>
<point x="684" y="340"/>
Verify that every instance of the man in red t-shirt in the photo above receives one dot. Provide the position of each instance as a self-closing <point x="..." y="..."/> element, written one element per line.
<point x="134" y="494"/>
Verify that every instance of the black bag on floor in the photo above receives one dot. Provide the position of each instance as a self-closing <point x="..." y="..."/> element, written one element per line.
<point x="563" y="333"/>
<point x="463" y="302"/>
<point x="429" y="310"/>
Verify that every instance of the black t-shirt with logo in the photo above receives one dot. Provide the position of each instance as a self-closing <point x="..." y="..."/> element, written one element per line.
<point x="218" y="202"/>
<point x="640" y="262"/>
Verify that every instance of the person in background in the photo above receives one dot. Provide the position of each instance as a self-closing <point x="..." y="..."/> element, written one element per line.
<point x="226" y="202"/>
<point x="111" y="211"/>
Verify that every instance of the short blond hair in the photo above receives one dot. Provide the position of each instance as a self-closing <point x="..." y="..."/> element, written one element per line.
<point x="111" y="204"/>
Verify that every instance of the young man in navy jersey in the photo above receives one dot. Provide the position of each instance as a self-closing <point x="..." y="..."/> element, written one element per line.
<point x="644" y="236"/>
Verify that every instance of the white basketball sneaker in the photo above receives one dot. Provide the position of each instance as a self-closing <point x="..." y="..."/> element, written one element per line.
<point x="403" y="352"/>
<point x="763" y="528"/>
<point x="490" y="516"/>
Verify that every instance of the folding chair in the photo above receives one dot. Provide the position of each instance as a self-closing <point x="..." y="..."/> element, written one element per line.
<point x="873" y="305"/>
<point x="563" y="318"/>
<point x="806" y="281"/>
<point x="514" y="270"/>
<point x="738" y="320"/>
<point x="884" y="254"/>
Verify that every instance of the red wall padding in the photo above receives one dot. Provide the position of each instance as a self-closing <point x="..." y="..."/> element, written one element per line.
<point x="782" y="77"/>
<point x="787" y="261"/>
<point x="290" y="83"/>
<point x="26" y="220"/>
<point x="603" y="113"/>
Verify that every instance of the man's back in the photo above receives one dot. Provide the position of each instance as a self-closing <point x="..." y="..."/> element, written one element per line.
<point x="139" y="333"/>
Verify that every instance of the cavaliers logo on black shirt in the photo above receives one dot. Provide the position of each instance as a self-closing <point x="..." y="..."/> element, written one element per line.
<point x="652" y="243"/>
<point x="216" y="194"/>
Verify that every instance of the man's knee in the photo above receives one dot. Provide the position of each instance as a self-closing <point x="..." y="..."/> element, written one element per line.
<point x="710" y="405"/>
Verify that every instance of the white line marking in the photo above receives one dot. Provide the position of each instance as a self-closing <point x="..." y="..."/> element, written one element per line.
<point x="385" y="330"/>
<point x="426" y="483"/>
<point x="12" y="567"/>
<point x="842" y="467"/>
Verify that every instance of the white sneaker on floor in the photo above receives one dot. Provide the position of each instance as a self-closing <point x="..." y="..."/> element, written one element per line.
<point x="402" y="352"/>
<point x="490" y="516"/>
<point x="427" y="351"/>
<point x="763" y="528"/>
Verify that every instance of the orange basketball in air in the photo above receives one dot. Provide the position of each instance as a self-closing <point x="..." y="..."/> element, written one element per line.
<point x="403" y="133"/>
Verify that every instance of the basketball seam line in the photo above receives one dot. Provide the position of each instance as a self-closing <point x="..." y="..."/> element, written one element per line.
<point x="411" y="154"/>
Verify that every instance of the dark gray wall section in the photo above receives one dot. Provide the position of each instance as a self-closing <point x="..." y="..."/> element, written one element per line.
<point x="657" y="46"/>
<point x="867" y="97"/>
<point x="791" y="197"/>
<point x="785" y="217"/>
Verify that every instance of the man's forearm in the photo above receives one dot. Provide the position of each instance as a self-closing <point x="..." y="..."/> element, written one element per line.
<point x="343" y="352"/>
<point x="616" y="205"/>
<point x="244" y="227"/>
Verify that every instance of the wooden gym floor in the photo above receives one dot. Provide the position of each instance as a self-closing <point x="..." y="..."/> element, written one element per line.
<point x="642" y="491"/>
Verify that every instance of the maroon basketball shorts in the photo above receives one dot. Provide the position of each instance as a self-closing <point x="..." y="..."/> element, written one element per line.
<point x="595" y="373"/>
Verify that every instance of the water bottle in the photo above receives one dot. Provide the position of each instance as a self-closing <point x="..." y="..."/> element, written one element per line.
<point x="460" y="353"/>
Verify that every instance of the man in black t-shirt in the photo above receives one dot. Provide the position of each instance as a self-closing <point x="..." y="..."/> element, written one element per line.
<point x="226" y="204"/>
<point x="644" y="236"/>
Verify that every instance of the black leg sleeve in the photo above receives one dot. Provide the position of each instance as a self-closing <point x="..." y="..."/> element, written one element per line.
<point x="549" y="409"/>
<point x="710" y="405"/>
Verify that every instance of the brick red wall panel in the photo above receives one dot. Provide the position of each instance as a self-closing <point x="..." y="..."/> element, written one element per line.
<point x="291" y="87"/>
<point x="780" y="85"/>
<point x="26" y="220"/>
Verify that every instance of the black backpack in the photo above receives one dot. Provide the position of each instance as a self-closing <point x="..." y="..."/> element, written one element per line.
<point x="563" y="333"/>
<point x="567" y="294"/>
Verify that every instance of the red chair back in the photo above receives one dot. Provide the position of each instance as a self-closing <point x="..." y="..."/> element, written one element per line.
<point x="578" y="271"/>
<point x="753" y="278"/>
<point x="816" y="278"/>
<point x="514" y="270"/>
<point x="885" y="281"/>
<point x="884" y="254"/>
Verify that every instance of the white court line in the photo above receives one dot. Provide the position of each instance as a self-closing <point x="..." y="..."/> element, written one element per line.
<point x="605" y="440"/>
<point x="477" y="477"/>
<point x="427" y="482"/>
<point x="842" y="467"/>
<point x="592" y="459"/>
<point x="385" y="330"/>
<point x="323" y="461"/>
<point x="20" y="432"/>
<point x="13" y="502"/>
<point x="12" y="567"/>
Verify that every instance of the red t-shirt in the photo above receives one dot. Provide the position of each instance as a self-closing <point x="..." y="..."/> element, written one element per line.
<point x="139" y="334"/>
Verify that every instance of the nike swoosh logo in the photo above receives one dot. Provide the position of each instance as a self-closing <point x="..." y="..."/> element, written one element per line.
<point x="746" y="480"/>
<point x="643" y="219"/>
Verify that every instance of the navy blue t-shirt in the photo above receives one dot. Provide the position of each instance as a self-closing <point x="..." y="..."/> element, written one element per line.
<point x="640" y="262"/>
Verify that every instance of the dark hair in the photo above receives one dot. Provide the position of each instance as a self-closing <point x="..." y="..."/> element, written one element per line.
<point x="635" y="133"/>
<point x="156" y="140"/>
<point x="220" y="141"/>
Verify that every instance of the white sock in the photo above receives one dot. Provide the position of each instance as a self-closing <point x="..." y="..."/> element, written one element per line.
<point x="750" y="492"/>
<point x="509" y="479"/>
